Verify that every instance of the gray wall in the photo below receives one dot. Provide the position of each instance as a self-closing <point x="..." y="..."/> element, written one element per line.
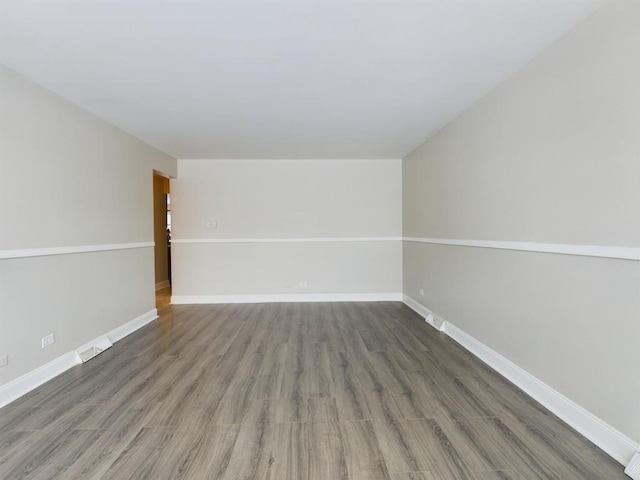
<point x="552" y="155"/>
<point x="68" y="179"/>
<point x="286" y="199"/>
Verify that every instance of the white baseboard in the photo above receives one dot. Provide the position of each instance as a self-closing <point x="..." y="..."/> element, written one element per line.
<point x="131" y="326"/>
<point x="293" y="297"/>
<point x="416" y="306"/>
<point x="161" y="285"/>
<point x="29" y="381"/>
<point x="613" y="442"/>
<point x="424" y="312"/>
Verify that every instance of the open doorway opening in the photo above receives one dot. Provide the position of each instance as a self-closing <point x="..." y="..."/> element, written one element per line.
<point x="162" y="239"/>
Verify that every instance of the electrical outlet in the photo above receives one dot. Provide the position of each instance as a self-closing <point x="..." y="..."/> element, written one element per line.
<point x="303" y="283"/>
<point x="48" y="340"/>
<point x="4" y="359"/>
<point x="212" y="224"/>
<point x="421" y="292"/>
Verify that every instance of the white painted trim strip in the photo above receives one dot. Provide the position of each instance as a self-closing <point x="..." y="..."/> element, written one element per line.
<point x="293" y="297"/>
<point x="424" y="312"/>
<point x="626" y="253"/>
<point x="33" y="379"/>
<point x="615" y="443"/>
<point x="41" y="252"/>
<point x="603" y="251"/>
<point x="131" y="326"/>
<point x="286" y="240"/>
<point x="30" y="381"/>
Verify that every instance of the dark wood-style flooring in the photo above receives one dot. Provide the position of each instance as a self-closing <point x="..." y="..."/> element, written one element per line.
<point x="332" y="391"/>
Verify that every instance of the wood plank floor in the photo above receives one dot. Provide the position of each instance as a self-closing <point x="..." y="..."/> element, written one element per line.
<point x="163" y="297"/>
<point x="331" y="391"/>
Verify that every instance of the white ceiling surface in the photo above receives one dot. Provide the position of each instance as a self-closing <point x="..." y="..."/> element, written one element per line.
<point x="278" y="79"/>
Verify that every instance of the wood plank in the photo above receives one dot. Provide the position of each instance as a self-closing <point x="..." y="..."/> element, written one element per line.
<point x="362" y="452"/>
<point x="438" y="452"/>
<point x="290" y="451"/>
<point x="251" y="455"/>
<point x="498" y="475"/>
<point x="326" y="452"/>
<point x="109" y="442"/>
<point x="413" y="476"/>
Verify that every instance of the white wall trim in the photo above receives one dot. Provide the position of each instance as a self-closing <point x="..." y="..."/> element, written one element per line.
<point x="131" y="326"/>
<point x="41" y="252"/>
<point x="162" y="284"/>
<point x="287" y="240"/>
<point x="602" y="251"/>
<point x="613" y="442"/>
<point x="606" y="251"/>
<point x="29" y="381"/>
<point x="293" y="297"/>
<point x="33" y="379"/>
<point x="423" y="311"/>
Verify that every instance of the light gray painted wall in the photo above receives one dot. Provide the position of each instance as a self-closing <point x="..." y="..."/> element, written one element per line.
<point x="68" y="178"/>
<point x="286" y="199"/>
<point x="552" y="155"/>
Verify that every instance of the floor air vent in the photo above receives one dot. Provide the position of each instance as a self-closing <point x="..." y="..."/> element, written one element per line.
<point x="633" y="469"/>
<point x="87" y="352"/>
<point x="435" y="322"/>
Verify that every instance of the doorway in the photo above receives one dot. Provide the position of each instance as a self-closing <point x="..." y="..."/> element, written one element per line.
<point x="162" y="239"/>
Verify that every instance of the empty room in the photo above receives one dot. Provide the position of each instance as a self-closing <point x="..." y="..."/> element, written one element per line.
<point x="320" y="239"/>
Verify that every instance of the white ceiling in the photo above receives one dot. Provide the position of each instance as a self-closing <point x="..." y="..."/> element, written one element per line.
<point x="278" y="79"/>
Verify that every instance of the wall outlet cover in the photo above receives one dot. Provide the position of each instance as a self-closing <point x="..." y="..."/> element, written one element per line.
<point x="48" y="340"/>
<point x="4" y="360"/>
